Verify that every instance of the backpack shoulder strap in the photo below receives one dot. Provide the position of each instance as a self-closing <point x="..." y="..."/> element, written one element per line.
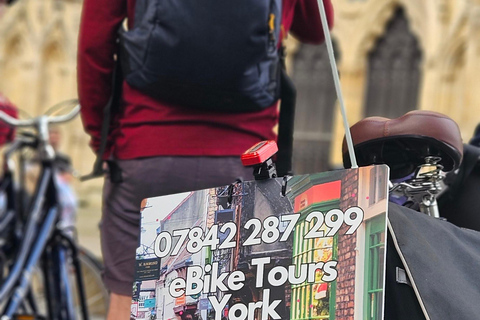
<point x="285" y="125"/>
<point x="109" y="110"/>
<point x="288" y="96"/>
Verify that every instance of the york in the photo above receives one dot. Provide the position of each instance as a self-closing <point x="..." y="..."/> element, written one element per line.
<point x="240" y="311"/>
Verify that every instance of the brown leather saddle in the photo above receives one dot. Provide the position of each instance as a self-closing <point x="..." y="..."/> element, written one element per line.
<point x="404" y="143"/>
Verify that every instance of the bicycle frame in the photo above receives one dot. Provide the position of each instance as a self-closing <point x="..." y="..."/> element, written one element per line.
<point x="43" y="243"/>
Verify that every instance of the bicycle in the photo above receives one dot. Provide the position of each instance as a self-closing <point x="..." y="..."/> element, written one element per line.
<point x="422" y="148"/>
<point x="42" y="270"/>
<point x="419" y="148"/>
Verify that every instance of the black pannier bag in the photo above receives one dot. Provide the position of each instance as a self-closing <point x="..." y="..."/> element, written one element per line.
<point x="433" y="268"/>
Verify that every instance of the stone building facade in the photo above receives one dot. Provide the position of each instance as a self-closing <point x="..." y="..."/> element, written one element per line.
<point x="393" y="56"/>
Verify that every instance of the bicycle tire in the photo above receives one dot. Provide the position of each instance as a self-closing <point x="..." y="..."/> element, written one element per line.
<point x="96" y="294"/>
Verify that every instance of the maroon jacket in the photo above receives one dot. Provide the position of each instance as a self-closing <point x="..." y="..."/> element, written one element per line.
<point x="6" y="132"/>
<point x="146" y="127"/>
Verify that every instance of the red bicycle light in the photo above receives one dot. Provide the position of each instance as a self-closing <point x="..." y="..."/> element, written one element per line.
<point x="259" y="153"/>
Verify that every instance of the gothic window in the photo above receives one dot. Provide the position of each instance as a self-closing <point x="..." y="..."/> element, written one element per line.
<point x="394" y="71"/>
<point x="316" y="99"/>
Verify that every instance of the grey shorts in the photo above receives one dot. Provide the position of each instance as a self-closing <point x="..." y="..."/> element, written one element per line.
<point x="144" y="178"/>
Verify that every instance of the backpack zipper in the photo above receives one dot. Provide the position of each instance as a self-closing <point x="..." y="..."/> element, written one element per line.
<point x="271" y="27"/>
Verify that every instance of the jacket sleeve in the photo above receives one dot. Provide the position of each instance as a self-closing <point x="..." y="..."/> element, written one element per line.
<point x="99" y="26"/>
<point x="7" y="133"/>
<point x="306" y="24"/>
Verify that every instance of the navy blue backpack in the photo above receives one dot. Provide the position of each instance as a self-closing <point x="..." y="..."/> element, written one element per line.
<point x="205" y="54"/>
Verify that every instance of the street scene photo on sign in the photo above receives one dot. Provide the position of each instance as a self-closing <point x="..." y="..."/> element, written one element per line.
<point x="252" y="250"/>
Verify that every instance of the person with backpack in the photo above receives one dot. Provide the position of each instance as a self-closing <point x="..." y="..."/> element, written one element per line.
<point x="188" y="86"/>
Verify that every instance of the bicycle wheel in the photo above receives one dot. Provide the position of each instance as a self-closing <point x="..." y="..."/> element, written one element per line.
<point x="95" y="293"/>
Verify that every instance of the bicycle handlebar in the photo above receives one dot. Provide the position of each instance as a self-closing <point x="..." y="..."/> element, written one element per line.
<point x="16" y="123"/>
<point x="40" y="124"/>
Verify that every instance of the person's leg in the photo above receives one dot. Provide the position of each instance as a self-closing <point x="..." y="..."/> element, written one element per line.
<point x="121" y="307"/>
<point x="143" y="178"/>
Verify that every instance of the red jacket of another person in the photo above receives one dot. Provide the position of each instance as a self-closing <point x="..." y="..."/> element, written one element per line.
<point x="6" y="132"/>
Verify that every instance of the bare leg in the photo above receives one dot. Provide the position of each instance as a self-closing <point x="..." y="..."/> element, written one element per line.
<point x="119" y="308"/>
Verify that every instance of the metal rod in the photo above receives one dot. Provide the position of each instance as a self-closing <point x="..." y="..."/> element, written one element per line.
<point x="336" y="80"/>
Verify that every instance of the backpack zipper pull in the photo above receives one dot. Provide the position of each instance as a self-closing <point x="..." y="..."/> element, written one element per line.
<point x="271" y="26"/>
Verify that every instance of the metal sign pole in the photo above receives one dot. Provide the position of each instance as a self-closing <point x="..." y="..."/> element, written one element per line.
<point x="336" y="80"/>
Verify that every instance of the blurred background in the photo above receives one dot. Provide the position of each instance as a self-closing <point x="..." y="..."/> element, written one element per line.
<point x="393" y="56"/>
